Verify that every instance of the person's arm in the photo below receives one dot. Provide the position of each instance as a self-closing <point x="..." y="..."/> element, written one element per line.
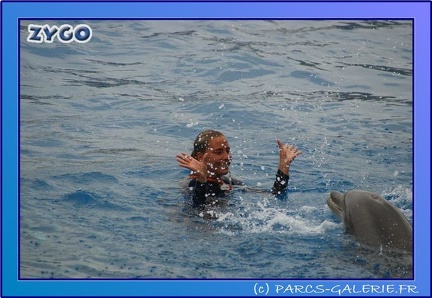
<point x="199" y="188"/>
<point x="281" y="183"/>
<point x="197" y="191"/>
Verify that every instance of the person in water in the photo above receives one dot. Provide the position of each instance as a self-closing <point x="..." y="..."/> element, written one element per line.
<point x="209" y="164"/>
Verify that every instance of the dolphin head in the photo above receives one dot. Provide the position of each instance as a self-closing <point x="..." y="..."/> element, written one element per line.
<point x="372" y="219"/>
<point x="336" y="203"/>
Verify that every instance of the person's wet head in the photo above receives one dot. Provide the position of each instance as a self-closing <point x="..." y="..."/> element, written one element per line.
<point x="212" y="146"/>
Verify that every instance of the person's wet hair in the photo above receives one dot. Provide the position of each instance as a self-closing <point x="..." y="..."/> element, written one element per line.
<point x="202" y="141"/>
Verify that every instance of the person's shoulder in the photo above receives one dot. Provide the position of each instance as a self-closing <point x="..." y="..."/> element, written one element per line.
<point x="234" y="181"/>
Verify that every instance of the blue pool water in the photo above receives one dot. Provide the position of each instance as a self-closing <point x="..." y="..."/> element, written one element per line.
<point x="101" y="123"/>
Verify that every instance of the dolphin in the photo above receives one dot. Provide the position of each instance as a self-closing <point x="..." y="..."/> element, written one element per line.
<point x="372" y="219"/>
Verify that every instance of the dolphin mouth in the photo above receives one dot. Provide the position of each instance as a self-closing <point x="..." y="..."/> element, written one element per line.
<point x="335" y="203"/>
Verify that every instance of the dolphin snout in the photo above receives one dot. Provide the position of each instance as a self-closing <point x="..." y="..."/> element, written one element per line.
<point x="336" y="195"/>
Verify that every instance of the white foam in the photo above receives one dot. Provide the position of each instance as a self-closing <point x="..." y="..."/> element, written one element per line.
<point x="265" y="219"/>
<point x="402" y="198"/>
<point x="308" y="209"/>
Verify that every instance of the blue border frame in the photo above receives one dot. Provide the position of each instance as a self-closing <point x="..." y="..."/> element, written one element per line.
<point x="12" y="12"/>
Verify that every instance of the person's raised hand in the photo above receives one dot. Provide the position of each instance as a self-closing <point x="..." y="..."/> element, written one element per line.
<point x="287" y="153"/>
<point x="198" y="168"/>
